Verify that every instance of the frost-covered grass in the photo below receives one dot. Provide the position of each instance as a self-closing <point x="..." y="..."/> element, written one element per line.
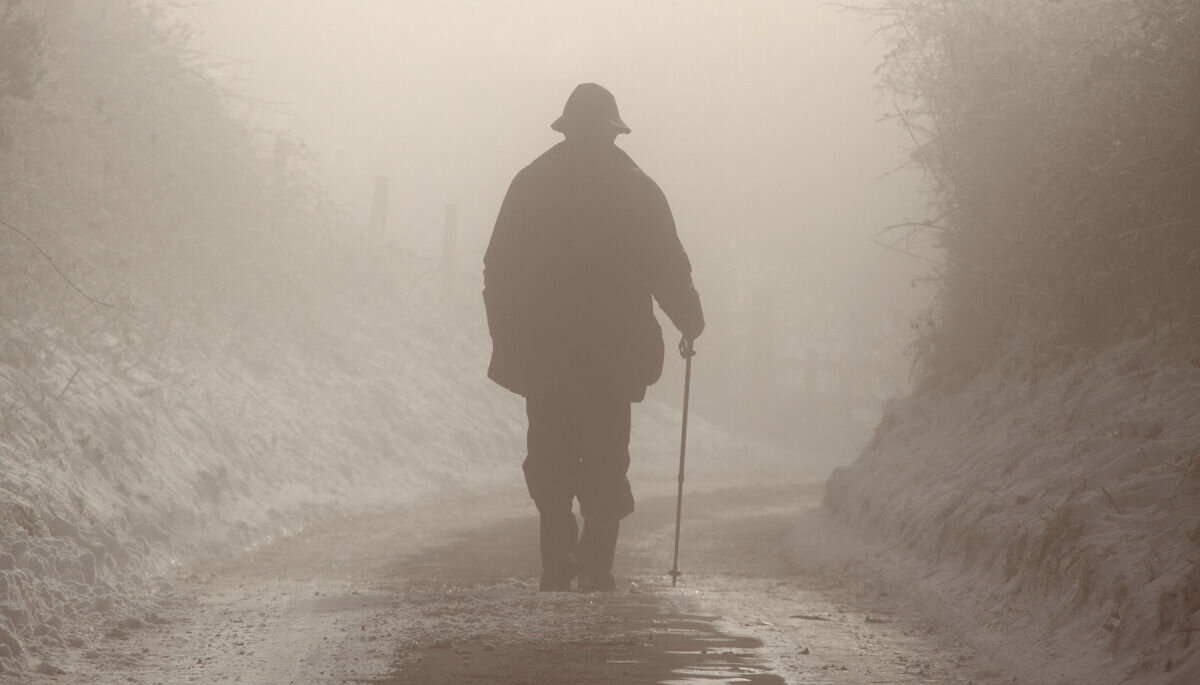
<point x="1058" y="511"/>
<point x="226" y="429"/>
<point x="236" y="431"/>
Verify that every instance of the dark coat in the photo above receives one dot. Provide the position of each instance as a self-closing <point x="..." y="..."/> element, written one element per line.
<point x="584" y="240"/>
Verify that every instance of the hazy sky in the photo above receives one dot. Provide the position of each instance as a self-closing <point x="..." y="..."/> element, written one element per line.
<point x="757" y="118"/>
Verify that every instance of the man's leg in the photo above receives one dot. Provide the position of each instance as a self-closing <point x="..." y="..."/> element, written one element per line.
<point x="604" y="493"/>
<point x="558" y="532"/>
<point x="551" y="471"/>
<point x="597" y="547"/>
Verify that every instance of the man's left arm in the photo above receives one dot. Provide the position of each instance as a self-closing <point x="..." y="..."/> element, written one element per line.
<point x="671" y="270"/>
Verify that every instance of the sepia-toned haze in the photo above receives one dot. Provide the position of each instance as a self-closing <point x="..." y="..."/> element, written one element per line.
<point x="758" y="119"/>
<point x="248" y="423"/>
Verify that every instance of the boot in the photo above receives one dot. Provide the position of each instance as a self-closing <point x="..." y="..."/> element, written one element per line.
<point x="597" y="547"/>
<point x="558" y="531"/>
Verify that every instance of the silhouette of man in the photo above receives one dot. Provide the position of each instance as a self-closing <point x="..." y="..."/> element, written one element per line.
<point x="583" y="242"/>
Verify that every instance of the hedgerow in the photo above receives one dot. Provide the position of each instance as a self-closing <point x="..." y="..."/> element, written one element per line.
<point x="1063" y="141"/>
<point x="121" y="161"/>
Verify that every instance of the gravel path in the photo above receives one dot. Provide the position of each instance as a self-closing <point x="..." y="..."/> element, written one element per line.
<point x="449" y="596"/>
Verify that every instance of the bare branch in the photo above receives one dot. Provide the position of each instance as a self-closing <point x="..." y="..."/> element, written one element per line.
<point x="63" y="276"/>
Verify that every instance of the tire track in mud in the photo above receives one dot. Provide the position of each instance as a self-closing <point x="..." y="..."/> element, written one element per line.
<point x="447" y="594"/>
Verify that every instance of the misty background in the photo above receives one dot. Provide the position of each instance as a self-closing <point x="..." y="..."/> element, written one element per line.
<point x="207" y="343"/>
<point x="759" y="120"/>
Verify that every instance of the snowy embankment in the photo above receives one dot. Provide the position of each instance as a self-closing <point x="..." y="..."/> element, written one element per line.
<point x="1053" y="519"/>
<point x="125" y="453"/>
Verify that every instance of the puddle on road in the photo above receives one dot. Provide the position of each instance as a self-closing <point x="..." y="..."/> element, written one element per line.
<point x="709" y="656"/>
<point x="617" y="638"/>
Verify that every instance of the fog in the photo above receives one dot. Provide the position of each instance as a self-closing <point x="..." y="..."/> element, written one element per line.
<point x="248" y="429"/>
<point x="759" y="120"/>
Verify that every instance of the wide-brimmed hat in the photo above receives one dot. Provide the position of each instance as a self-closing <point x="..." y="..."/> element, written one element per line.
<point x="590" y="106"/>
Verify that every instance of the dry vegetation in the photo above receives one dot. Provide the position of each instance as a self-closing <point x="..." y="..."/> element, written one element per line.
<point x="122" y="163"/>
<point x="1042" y="472"/>
<point x="1063" y="138"/>
<point x="188" y="331"/>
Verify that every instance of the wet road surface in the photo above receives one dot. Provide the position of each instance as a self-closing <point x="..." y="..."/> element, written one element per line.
<point x="448" y="595"/>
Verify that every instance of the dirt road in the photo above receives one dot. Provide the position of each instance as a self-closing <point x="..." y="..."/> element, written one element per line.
<point x="449" y="596"/>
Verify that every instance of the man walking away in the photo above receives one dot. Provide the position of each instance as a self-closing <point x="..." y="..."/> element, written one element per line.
<point x="583" y="242"/>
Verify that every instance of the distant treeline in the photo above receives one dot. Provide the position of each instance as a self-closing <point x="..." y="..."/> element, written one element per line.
<point x="1063" y="139"/>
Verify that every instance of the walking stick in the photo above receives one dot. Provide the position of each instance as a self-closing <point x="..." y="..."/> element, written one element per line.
<point x="687" y="352"/>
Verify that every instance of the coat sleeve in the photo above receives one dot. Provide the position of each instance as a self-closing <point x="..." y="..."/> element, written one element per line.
<point x="670" y="270"/>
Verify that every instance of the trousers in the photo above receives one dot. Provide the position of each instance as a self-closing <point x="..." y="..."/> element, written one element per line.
<point x="578" y="448"/>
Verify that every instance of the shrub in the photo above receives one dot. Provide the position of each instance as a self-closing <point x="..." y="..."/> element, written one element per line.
<point x="126" y="166"/>
<point x="1063" y="139"/>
